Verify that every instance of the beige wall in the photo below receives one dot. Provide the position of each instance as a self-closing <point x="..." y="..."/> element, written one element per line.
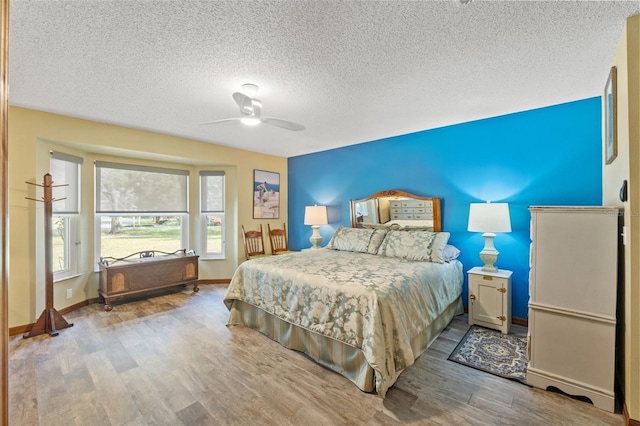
<point x="32" y="134"/>
<point x="627" y="166"/>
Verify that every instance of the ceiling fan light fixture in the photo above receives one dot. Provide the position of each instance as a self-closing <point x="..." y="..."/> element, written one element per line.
<point x="250" y="120"/>
<point x="251" y="111"/>
<point x="249" y="89"/>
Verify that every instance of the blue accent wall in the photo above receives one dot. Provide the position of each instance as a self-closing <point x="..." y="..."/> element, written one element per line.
<point x="547" y="156"/>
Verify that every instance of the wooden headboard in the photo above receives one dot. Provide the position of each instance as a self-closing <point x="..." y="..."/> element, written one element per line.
<point x="394" y="205"/>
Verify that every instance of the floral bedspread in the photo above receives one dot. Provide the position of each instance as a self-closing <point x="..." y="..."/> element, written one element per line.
<point x="374" y="303"/>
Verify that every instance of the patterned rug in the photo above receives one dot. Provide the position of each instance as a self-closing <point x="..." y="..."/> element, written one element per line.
<point x="493" y="352"/>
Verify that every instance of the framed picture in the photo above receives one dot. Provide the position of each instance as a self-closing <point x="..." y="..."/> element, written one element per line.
<point x="266" y="195"/>
<point x="610" y="118"/>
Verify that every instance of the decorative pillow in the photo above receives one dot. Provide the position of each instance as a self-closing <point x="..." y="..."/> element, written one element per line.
<point x="360" y="240"/>
<point x="450" y="253"/>
<point x="416" y="228"/>
<point x="379" y="226"/>
<point x="376" y="240"/>
<point x="415" y="245"/>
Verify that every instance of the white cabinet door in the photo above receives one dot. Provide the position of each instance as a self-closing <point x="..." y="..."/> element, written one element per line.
<point x="487" y="306"/>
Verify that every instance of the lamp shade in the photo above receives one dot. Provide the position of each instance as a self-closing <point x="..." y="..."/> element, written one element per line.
<point x="315" y="215"/>
<point x="489" y="217"/>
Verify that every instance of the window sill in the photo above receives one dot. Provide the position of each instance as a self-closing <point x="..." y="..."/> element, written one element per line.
<point x="70" y="277"/>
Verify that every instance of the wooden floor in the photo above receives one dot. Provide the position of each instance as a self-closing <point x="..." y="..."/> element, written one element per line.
<point x="171" y="360"/>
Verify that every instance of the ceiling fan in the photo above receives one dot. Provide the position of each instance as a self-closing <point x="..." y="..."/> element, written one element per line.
<point x="251" y="111"/>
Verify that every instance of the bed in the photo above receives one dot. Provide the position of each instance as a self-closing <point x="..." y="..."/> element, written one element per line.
<point x="366" y="306"/>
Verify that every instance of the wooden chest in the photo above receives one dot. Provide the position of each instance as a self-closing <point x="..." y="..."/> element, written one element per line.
<point x="124" y="278"/>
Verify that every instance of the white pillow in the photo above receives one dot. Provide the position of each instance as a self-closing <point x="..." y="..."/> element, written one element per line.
<point x="450" y="253"/>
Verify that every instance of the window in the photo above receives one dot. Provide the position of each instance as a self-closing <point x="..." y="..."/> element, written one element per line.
<point x="65" y="174"/>
<point x="212" y="213"/>
<point x="140" y="208"/>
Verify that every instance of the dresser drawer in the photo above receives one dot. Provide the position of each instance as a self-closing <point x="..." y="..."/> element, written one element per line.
<point x="412" y="203"/>
<point x="413" y="210"/>
<point x="402" y="216"/>
<point x="418" y="216"/>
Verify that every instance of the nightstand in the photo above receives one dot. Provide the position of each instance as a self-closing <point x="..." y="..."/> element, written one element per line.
<point x="490" y="298"/>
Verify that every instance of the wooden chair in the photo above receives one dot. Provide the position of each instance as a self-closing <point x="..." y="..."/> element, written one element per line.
<point x="253" y="243"/>
<point x="278" y="240"/>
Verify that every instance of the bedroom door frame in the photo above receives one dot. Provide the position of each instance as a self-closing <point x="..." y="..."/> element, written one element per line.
<point x="4" y="208"/>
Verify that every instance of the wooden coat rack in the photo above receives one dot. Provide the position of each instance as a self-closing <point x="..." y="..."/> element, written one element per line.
<point x="50" y="321"/>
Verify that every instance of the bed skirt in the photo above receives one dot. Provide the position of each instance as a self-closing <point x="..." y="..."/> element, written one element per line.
<point x="344" y="359"/>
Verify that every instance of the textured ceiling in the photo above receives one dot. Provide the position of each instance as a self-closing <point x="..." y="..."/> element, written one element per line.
<point x="349" y="71"/>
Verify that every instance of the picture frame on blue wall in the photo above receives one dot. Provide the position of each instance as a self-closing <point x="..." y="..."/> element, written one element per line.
<point x="266" y="195"/>
<point x="610" y="108"/>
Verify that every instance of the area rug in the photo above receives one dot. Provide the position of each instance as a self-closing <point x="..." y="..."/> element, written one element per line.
<point x="504" y="355"/>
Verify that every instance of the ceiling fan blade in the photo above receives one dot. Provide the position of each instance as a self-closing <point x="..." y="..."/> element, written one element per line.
<point x="244" y="102"/>
<point x="220" y="121"/>
<point x="283" y="123"/>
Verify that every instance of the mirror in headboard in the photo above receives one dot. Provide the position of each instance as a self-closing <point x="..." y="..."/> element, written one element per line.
<point x="395" y="207"/>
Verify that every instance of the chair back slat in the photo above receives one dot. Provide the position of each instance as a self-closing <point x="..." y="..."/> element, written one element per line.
<point x="278" y="239"/>
<point x="253" y="243"/>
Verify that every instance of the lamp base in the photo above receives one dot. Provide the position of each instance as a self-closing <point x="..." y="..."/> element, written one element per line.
<point x="315" y="238"/>
<point x="489" y="254"/>
<point x="489" y="259"/>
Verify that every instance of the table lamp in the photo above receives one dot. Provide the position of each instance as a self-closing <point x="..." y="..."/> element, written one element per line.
<point x="315" y="216"/>
<point x="489" y="218"/>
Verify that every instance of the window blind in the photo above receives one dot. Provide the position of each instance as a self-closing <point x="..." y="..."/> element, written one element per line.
<point x="65" y="174"/>
<point x="211" y="191"/>
<point x="128" y="188"/>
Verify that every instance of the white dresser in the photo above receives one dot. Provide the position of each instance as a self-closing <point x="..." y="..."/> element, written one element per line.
<point x="572" y="301"/>
<point x="411" y="209"/>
